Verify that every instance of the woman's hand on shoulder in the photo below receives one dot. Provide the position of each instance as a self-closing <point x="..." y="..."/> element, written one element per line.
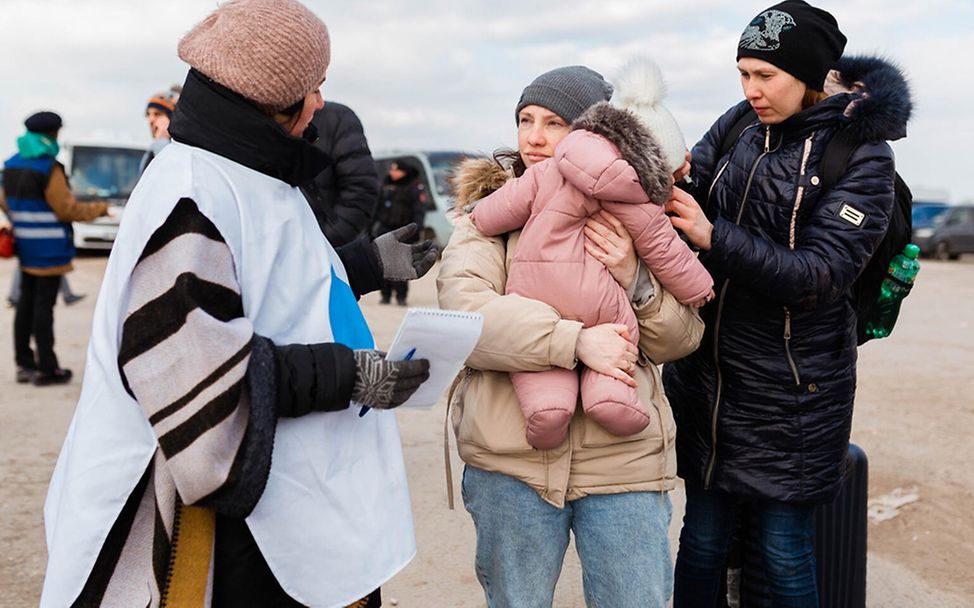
<point x="687" y="216"/>
<point x="606" y="349"/>
<point x="608" y="241"/>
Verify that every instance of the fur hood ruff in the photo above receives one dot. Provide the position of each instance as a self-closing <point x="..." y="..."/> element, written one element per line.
<point x="883" y="103"/>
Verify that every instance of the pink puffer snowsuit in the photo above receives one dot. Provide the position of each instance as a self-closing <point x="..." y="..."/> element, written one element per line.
<point x="609" y="161"/>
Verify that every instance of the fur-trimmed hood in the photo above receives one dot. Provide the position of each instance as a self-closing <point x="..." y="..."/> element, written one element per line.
<point x="882" y="104"/>
<point x="474" y="179"/>
<point x="636" y="144"/>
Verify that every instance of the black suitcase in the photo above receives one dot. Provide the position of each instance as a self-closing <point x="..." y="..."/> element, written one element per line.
<point x="840" y="547"/>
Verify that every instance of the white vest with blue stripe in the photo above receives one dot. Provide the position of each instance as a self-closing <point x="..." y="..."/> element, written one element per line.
<point x="43" y="241"/>
<point x="334" y="522"/>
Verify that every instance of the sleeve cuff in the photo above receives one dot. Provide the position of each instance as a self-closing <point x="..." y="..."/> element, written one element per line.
<point x="314" y="378"/>
<point x="362" y="266"/>
<point x="563" y="340"/>
<point x="649" y="305"/>
<point x="642" y="288"/>
<point x="253" y="463"/>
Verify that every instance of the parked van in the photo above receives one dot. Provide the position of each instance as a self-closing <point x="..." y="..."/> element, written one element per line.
<point x="101" y="173"/>
<point x="435" y="169"/>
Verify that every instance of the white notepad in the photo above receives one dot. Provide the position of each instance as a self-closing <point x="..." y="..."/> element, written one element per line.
<point x="444" y="337"/>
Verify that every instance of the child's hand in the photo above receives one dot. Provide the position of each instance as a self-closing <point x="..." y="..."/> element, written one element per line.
<point x="683" y="171"/>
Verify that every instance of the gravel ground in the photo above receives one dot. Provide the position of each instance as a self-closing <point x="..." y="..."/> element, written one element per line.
<point x="914" y="416"/>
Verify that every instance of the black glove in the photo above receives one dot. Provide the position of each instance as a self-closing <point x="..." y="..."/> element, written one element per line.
<point x="400" y="260"/>
<point x="383" y="384"/>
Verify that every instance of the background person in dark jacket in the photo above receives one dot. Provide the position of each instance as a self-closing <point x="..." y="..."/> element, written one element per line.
<point x="764" y="407"/>
<point x="343" y="195"/>
<point x="41" y="208"/>
<point x="402" y="201"/>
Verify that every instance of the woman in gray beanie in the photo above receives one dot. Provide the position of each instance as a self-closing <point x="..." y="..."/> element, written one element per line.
<point x="764" y="407"/>
<point x="609" y="491"/>
<point x="227" y="331"/>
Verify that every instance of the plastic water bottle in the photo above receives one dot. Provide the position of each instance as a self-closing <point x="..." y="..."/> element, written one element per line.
<point x="903" y="269"/>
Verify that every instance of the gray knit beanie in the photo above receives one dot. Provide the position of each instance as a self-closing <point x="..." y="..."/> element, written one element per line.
<point x="566" y="91"/>
<point x="273" y="52"/>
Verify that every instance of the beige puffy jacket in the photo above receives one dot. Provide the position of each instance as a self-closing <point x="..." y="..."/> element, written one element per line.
<point x="527" y="335"/>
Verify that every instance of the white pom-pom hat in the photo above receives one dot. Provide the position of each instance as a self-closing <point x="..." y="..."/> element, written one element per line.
<point x="639" y="88"/>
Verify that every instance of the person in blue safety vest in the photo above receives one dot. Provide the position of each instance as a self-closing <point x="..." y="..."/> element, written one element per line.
<point x="38" y="199"/>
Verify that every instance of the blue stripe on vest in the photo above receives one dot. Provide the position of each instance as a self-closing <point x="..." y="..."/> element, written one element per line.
<point x="348" y="325"/>
<point x="42" y="164"/>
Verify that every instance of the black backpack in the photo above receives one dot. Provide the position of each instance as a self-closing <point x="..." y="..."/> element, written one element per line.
<point x="835" y="159"/>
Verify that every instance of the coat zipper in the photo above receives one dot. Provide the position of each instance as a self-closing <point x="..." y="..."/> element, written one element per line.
<point x="712" y="460"/>
<point x="177" y="518"/>
<point x="791" y="360"/>
<point x="791" y="245"/>
<point x="722" y="167"/>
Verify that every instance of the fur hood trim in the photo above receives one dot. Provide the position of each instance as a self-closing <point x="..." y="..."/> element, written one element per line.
<point x="474" y="179"/>
<point x="636" y="144"/>
<point x="884" y="105"/>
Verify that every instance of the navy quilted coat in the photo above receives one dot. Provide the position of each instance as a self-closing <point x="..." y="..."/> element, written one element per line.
<point x="764" y="406"/>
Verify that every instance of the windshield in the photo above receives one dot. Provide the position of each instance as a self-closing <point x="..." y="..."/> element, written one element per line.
<point x="104" y="172"/>
<point x="928" y="214"/>
<point x="442" y="165"/>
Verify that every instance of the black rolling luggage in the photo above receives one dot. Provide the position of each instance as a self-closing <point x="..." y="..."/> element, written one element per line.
<point x="840" y="548"/>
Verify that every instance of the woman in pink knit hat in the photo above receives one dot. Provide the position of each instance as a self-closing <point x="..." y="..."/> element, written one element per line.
<point x="227" y="331"/>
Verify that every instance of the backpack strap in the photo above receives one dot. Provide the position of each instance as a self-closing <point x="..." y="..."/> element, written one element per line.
<point x="835" y="158"/>
<point x="731" y="137"/>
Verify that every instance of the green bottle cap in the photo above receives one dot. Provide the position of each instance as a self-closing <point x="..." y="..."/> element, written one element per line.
<point x="911" y="251"/>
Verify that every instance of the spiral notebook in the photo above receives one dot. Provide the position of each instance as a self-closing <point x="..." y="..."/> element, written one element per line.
<point x="444" y="337"/>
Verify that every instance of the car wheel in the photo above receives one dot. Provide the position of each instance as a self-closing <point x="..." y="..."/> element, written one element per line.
<point x="942" y="252"/>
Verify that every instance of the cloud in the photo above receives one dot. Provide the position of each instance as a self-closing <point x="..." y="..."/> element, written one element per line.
<point x="445" y="74"/>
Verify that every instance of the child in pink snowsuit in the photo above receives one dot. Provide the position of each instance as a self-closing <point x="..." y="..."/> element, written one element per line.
<point x="609" y="161"/>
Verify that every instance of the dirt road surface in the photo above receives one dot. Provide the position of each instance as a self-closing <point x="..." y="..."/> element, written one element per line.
<point x="914" y="418"/>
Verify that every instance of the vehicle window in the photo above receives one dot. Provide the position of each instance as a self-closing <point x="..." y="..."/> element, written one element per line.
<point x="928" y="213"/>
<point x="104" y="172"/>
<point x="443" y="165"/>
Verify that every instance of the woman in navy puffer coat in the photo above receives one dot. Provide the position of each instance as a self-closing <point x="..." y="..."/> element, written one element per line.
<point x="764" y="407"/>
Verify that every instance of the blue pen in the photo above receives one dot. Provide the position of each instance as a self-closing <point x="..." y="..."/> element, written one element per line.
<point x="408" y="356"/>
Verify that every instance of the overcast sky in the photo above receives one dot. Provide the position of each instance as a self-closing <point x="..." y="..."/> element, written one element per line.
<point x="442" y="74"/>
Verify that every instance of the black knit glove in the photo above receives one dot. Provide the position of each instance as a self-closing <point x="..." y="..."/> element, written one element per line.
<point x="400" y="260"/>
<point x="383" y="384"/>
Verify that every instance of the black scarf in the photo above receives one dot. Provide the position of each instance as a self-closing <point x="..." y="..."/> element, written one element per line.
<point x="214" y="118"/>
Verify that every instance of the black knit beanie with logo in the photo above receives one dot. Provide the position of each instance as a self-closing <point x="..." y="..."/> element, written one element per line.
<point x="799" y="38"/>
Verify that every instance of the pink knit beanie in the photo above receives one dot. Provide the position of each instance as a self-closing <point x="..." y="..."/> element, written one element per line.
<point x="273" y="52"/>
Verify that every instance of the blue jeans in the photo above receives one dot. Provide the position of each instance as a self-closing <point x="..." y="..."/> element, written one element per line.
<point x="786" y="544"/>
<point x="521" y="542"/>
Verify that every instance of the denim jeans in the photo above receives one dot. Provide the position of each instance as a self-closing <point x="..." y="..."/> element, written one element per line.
<point x="786" y="545"/>
<point x="521" y="542"/>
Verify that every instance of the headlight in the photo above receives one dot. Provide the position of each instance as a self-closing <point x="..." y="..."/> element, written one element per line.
<point x="923" y="233"/>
